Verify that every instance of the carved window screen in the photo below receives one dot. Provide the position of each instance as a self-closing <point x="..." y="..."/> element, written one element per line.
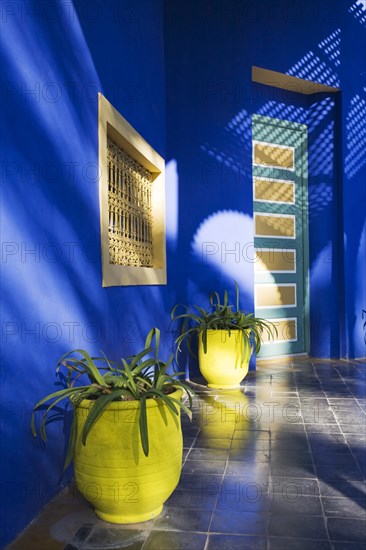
<point x="130" y="233"/>
<point x="132" y="203"/>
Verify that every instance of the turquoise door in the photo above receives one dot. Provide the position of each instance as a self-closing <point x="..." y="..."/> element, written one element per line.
<point x="280" y="232"/>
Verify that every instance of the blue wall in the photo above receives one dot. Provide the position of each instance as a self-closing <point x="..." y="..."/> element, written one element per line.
<point x="55" y="60"/>
<point x="353" y="83"/>
<point x="56" y="57"/>
<point x="210" y="100"/>
<point x="325" y="224"/>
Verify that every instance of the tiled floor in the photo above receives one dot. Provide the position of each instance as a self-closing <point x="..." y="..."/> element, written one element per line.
<point x="278" y="465"/>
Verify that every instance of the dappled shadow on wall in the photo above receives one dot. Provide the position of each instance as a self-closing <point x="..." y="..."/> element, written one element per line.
<point x="321" y="152"/>
<point x="331" y="47"/>
<point x="321" y="155"/>
<point x="275" y="109"/>
<point x="231" y="145"/>
<point x="311" y="67"/>
<point x="320" y="196"/>
<point x="318" y="112"/>
<point x="358" y="10"/>
<point x="356" y="136"/>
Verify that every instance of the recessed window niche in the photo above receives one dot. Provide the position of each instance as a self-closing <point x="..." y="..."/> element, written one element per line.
<point x="132" y="203"/>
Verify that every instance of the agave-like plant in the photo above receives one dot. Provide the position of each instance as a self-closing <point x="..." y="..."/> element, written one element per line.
<point x="220" y="315"/>
<point x="139" y="377"/>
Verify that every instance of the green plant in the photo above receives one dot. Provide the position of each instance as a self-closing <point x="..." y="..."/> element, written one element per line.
<point x="197" y="321"/>
<point x="139" y="377"/>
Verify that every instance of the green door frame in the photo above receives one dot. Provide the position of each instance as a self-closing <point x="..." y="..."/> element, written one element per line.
<point x="272" y="125"/>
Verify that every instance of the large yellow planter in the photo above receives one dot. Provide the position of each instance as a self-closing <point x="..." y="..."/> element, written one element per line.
<point x="111" y="470"/>
<point x="222" y="365"/>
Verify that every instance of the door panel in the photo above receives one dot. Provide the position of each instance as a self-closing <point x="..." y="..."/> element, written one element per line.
<point x="277" y="191"/>
<point x="280" y="225"/>
<point x="274" y="225"/>
<point x="275" y="295"/>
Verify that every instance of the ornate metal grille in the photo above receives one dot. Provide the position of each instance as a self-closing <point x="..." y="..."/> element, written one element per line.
<point x="130" y="211"/>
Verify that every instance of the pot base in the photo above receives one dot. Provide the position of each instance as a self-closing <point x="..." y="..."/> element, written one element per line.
<point x="223" y="387"/>
<point x="134" y="518"/>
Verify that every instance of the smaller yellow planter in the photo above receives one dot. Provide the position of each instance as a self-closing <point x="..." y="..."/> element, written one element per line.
<point x="111" y="470"/>
<point x="222" y="365"/>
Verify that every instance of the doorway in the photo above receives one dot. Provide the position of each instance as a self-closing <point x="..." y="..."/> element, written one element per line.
<point x="280" y="212"/>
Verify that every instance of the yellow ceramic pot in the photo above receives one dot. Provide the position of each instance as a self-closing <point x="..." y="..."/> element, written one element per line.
<point x="222" y="365"/>
<point x="111" y="470"/>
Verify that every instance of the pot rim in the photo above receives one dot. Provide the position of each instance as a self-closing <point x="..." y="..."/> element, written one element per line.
<point x="133" y="404"/>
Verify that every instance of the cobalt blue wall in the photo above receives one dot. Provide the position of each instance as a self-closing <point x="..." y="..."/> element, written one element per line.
<point x="325" y="224"/>
<point x="210" y="49"/>
<point x="208" y="88"/>
<point x="54" y="61"/>
<point x="353" y="83"/>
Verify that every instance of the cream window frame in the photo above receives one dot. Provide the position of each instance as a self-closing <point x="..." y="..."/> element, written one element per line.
<point x="112" y="125"/>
